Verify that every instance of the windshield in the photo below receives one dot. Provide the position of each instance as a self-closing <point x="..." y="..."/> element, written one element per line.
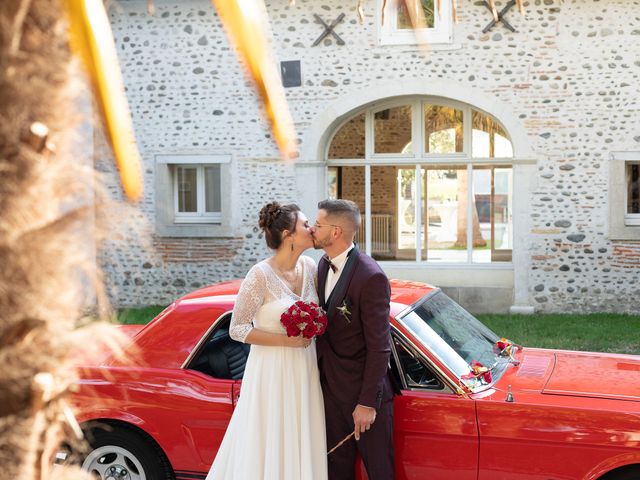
<point x="455" y="336"/>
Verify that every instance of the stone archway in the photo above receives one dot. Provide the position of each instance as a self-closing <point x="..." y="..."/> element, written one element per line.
<point x="317" y="136"/>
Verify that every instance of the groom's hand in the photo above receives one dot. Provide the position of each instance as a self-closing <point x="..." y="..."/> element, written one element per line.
<point x="363" y="418"/>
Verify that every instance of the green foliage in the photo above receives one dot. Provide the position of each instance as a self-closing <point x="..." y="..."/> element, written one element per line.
<point x="597" y="332"/>
<point x="138" y="316"/>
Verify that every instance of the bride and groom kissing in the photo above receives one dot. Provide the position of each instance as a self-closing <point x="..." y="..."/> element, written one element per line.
<point x="300" y="396"/>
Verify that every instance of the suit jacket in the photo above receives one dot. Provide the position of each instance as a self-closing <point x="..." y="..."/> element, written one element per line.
<point x="353" y="353"/>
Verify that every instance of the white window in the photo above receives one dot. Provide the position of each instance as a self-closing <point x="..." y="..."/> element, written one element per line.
<point x="433" y="179"/>
<point x="196" y="192"/>
<point x="632" y="177"/>
<point x="624" y="196"/>
<point x="193" y="193"/>
<point x="395" y="23"/>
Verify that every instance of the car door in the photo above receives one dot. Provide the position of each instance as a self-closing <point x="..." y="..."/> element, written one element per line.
<point x="212" y="378"/>
<point x="435" y="429"/>
<point x="535" y="437"/>
<point x="202" y="415"/>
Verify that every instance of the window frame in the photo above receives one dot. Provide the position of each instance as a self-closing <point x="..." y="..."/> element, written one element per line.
<point x="389" y="34"/>
<point x="622" y="226"/>
<point x="419" y="159"/>
<point x="445" y="382"/>
<point x="200" y="215"/>
<point x="171" y="223"/>
<point x="630" y="219"/>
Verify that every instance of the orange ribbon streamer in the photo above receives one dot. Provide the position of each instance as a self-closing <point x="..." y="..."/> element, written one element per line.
<point x="245" y="22"/>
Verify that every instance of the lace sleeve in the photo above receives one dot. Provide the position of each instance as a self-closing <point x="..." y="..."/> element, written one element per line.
<point x="249" y="299"/>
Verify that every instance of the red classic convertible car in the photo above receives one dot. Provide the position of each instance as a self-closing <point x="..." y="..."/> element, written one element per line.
<point x="535" y="414"/>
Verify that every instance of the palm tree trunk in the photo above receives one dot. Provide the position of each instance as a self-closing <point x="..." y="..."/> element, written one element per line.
<point x="43" y="199"/>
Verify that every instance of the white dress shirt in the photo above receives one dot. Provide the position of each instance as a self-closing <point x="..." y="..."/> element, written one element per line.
<point x="333" y="277"/>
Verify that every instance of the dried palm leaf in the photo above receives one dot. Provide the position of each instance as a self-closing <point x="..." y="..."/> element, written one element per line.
<point x="18" y="19"/>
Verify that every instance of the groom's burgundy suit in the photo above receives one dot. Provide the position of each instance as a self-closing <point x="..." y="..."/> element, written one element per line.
<point x="353" y="357"/>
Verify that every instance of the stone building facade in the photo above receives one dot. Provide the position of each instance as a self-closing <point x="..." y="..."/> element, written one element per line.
<point x="561" y="92"/>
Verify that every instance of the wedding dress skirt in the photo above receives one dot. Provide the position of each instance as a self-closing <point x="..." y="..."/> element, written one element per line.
<point x="277" y="431"/>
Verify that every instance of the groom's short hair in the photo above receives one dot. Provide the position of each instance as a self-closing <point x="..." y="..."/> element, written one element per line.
<point x="344" y="209"/>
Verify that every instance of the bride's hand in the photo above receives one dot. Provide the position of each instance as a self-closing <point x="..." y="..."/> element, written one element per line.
<point x="299" y="342"/>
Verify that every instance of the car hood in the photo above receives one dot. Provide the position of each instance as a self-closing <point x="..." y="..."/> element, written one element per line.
<point x="595" y="375"/>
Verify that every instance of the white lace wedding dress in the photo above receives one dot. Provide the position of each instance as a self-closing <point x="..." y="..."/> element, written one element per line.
<point x="277" y="431"/>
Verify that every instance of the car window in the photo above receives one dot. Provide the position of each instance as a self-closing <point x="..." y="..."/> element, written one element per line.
<point x="219" y="355"/>
<point x="411" y="370"/>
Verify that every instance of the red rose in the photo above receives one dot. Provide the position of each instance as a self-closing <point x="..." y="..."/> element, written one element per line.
<point x="309" y="331"/>
<point x="292" y="330"/>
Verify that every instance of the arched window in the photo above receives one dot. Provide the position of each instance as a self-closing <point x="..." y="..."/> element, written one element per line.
<point x="460" y="209"/>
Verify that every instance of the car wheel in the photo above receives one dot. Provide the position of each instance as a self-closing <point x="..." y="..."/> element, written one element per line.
<point x="124" y="454"/>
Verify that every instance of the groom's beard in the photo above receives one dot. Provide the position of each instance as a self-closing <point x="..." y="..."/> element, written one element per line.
<point x="321" y="244"/>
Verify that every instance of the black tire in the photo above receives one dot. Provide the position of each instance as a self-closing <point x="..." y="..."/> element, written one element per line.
<point x="125" y="450"/>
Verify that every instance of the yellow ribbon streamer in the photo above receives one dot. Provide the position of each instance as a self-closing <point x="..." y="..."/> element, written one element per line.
<point x="91" y="39"/>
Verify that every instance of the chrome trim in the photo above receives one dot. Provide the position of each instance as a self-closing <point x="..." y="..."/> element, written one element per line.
<point x="203" y="339"/>
<point x="398" y="365"/>
<point x="455" y="388"/>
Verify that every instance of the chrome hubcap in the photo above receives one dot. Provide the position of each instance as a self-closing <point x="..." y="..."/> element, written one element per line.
<point x="113" y="463"/>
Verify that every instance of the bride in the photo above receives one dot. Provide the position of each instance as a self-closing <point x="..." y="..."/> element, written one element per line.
<point x="277" y="431"/>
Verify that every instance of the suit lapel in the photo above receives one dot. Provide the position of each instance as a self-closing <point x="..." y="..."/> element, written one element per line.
<point x="323" y="268"/>
<point x="339" y="291"/>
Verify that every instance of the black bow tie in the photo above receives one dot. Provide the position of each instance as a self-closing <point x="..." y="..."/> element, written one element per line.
<point x="334" y="269"/>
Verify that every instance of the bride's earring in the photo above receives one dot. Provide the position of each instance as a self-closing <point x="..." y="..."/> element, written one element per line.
<point x="292" y="245"/>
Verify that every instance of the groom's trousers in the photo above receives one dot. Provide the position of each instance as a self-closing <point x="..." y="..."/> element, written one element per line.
<point x="375" y="445"/>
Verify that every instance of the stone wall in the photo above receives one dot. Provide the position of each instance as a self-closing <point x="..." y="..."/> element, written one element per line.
<point x="569" y="76"/>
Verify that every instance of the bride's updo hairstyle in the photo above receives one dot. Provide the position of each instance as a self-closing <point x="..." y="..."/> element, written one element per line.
<point x="275" y="219"/>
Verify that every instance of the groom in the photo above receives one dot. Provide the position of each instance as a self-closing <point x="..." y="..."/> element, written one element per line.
<point x="353" y="354"/>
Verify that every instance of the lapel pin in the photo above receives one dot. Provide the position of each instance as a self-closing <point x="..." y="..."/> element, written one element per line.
<point x="344" y="310"/>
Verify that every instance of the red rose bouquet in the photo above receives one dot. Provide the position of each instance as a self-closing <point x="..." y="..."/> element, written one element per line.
<point x="304" y="318"/>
